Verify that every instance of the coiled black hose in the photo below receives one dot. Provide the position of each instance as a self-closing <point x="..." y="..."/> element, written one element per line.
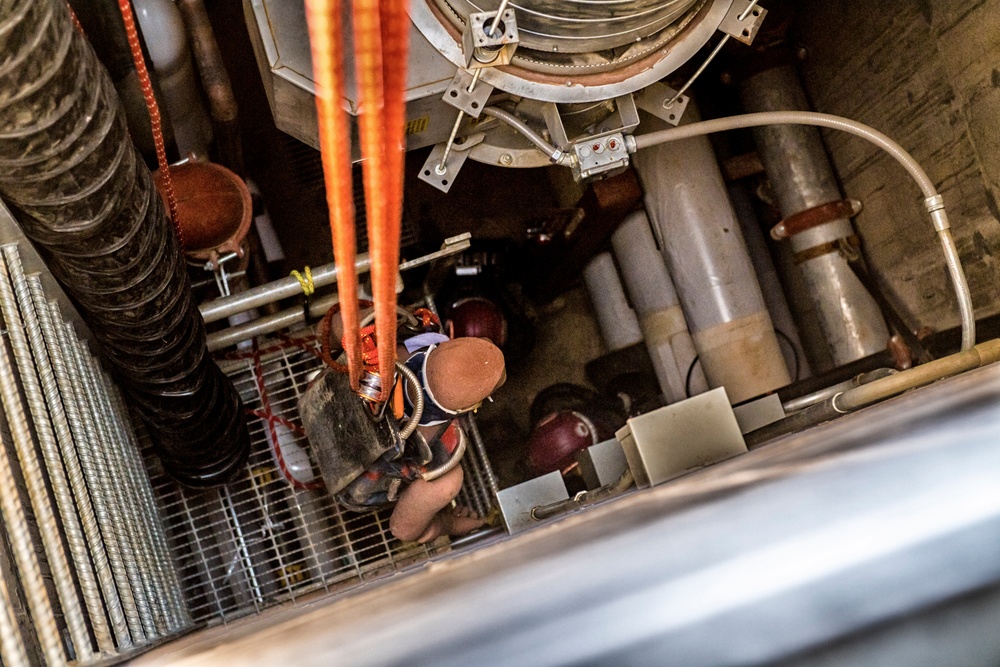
<point x="83" y="195"/>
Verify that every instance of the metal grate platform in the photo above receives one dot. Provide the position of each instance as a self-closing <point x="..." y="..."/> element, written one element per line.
<point x="270" y="537"/>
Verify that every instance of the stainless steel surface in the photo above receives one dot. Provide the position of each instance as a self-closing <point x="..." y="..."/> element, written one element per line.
<point x="516" y="502"/>
<point x="761" y="412"/>
<point x="800" y="173"/>
<point x="830" y="535"/>
<point x="602" y="464"/>
<point x="52" y="430"/>
<point x="663" y="102"/>
<point x="574" y="26"/>
<point x="322" y="276"/>
<point x="263" y="540"/>
<point x="553" y="77"/>
<point x="743" y="20"/>
<point x="27" y="441"/>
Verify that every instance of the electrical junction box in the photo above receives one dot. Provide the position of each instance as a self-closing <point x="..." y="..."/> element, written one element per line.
<point x="675" y="439"/>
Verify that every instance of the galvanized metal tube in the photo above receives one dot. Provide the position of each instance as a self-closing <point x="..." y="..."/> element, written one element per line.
<point x="16" y="524"/>
<point x="802" y="178"/>
<point x="479" y="446"/>
<point x="127" y="454"/>
<point x="128" y="542"/>
<point x="322" y="276"/>
<point x="89" y="503"/>
<point x="115" y="454"/>
<point x="34" y="478"/>
<point x="11" y="645"/>
<point x="74" y="470"/>
<point x="62" y="487"/>
<point x="97" y="481"/>
<point x="180" y="615"/>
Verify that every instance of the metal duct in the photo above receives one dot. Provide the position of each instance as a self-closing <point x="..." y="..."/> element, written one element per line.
<point x="582" y="26"/>
<point x="86" y="199"/>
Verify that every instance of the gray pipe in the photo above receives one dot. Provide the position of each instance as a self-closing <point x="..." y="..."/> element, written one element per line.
<point x="850" y="321"/>
<point x="701" y="241"/>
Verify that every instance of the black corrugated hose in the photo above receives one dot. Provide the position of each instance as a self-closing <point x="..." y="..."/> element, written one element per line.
<point x="81" y="192"/>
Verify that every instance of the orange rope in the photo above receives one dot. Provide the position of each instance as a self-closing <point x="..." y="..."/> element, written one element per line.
<point x="380" y="59"/>
<point x="325" y="29"/>
<point x="155" y="122"/>
<point x="381" y="29"/>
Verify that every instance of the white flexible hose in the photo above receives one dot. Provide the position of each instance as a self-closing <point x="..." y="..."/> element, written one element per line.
<point x="932" y="199"/>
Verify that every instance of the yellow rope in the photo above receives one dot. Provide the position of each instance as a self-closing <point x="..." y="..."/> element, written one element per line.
<point x="305" y="281"/>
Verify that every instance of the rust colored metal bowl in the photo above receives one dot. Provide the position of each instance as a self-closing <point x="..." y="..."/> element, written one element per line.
<point x="214" y="208"/>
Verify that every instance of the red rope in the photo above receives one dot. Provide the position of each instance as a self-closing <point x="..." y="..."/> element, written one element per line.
<point x="271" y="419"/>
<point x="155" y="122"/>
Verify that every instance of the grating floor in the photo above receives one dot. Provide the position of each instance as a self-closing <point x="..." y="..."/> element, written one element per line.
<point x="275" y="535"/>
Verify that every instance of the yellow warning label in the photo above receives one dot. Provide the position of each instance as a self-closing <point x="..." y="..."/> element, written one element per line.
<point x="417" y="125"/>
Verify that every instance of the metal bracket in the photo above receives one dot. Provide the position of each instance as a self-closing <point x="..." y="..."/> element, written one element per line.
<point x="654" y="100"/>
<point x="746" y="29"/>
<point x="458" y="95"/>
<point x="483" y="50"/>
<point x="443" y="178"/>
<point x="517" y="502"/>
<point x="623" y="121"/>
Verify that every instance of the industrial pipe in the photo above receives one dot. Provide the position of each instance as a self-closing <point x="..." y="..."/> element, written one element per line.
<point x="83" y="195"/>
<point x="701" y="241"/>
<point x="849" y="321"/>
<point x="617" y="321"/>
<point x="215" y="80"/>
<point x="932" y="200"/>
<point x="651" y="289"/>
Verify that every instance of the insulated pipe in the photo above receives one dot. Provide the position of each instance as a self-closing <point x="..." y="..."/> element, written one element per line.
<point x="849" y="319"/>
<point x="933" y="201"/>
<point x="660" y="316"/>
<point x="167" y="42"/>
<point x="770" y="284"/>
<point x="82" y="194"/>
<point x="704" y="249"/>
<point x="616" y="319"/>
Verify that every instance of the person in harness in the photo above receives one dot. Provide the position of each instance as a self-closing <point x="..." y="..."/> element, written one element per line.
<point x="369" y="464"/>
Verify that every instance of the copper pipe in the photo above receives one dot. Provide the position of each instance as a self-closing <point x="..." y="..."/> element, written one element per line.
<point x="215" y="81"/>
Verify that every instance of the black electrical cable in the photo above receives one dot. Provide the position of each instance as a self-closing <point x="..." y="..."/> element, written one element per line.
<point x="795" y="353"/>
<point x="687" y="379"/>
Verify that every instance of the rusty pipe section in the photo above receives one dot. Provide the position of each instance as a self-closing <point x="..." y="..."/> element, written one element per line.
<point x="215" y="81"/>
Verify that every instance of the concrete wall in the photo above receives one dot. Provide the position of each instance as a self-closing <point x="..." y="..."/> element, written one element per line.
<point x="926" y="72"/>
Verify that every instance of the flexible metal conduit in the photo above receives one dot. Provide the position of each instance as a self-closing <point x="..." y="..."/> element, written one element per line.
<point x="932" y="200"/>
<point x="82" y="194"/>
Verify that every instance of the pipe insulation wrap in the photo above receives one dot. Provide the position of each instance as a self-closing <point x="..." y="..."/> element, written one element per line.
<point x="616" y="319"/>
<point x="686" y="199"/>
<point x="660" y="315"/>
<point x="898" y="153"/>
<point x="80" y="191"/>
